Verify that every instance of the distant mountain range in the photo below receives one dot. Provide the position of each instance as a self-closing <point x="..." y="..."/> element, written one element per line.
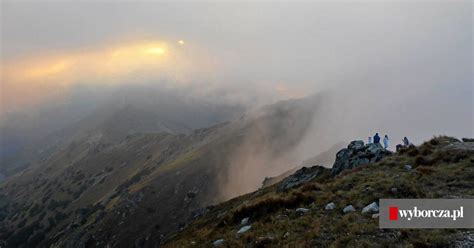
<point x="125" y="173"/>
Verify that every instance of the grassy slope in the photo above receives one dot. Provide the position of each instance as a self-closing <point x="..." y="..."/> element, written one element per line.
<point x="439" y="171"/>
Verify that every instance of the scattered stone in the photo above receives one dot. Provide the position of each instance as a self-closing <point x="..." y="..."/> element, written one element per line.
<point x="371" y="208"/>
<point x="244" y="221"/>
<point x="375" y="216"/>
<point x="264" y="241"/>
<point x="330" y="206"/>
<point x="282" y="216"/>
<point x="218" y="242"/>
<point x="394" y="190"/>
<point x="348" y="209"/>
<point x="244" y="229"/>
<point x="408" y="167"/>
<point x="368" y="189"/>
<point x="302" y="176"/>
<point x="302" y="210"/>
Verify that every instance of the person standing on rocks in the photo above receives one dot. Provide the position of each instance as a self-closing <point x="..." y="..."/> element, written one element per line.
<point x="376" y="138"/>
<point x="406" y="142"/>
<point x="385" y="142"/>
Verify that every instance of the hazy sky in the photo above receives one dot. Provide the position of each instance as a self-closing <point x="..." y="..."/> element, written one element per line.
<point x="404" y="65"/>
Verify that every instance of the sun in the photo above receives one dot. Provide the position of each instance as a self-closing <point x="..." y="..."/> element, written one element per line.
<point x="155" y="50"/>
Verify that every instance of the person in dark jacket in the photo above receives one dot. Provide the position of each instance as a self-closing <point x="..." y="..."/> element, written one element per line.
<point x="376" y="138"/>
<point x="406" y="142"/>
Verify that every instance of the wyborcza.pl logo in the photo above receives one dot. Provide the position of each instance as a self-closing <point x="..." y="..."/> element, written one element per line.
<point x="409" y="214"/>
<point x="426" y="213"/>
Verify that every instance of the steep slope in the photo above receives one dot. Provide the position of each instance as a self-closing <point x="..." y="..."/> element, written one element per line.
<point x="119" y="192"/>
<point x="440" y="168"/>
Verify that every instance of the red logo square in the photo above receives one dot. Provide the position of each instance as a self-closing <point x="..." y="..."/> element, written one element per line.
<point x="393" y="213"/>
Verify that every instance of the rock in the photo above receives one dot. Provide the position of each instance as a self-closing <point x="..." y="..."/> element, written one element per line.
<point x="244" y="229"/>
<point x="375" y="216"/>
<point x="357" y="154"/>
<point x="302" y="210"/>
<point x="330" y="206"/>
<point x="408" y="167"/>
<point x="394" y="190"/>
<point x="356" y="145"/>
<point x="218" y="242"/>
<point x="282" y="216"/>
<point x="264" y="241"/>
<point x="220" y="215"/>
<point x="348" y="209"/>
<point x="371" y="208"/>
<point x="244" y="221"/>
<point x="467" y="139"/>
<point x="368" y="189"/>
<point x="286" y="235"/>
<point x="301" y="176"/>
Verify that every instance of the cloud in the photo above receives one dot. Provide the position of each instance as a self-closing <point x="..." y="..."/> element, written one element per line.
<point x="413" y="58"/>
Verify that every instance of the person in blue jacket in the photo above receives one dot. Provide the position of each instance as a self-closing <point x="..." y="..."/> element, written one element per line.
<point x="376" y="138"/>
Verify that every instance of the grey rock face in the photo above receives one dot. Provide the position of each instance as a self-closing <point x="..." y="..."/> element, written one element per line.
<point x="301" y="176"/>
<point x="348" y="209"/>
<point x="218" y="243"/>
<point x="330" y="206"/>
<point x="244" y="229"/>
<point x="357" y="154"/>
<point x="302" y="210"/>
<point x="244" y="221"/>
<point x="371" y="208"/>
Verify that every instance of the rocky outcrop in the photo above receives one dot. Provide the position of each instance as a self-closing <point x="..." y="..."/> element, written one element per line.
<point x="301" y="176"/>
<point x="357" y="154"/>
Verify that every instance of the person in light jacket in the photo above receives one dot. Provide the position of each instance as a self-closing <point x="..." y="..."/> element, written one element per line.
<point x="385" y="142"/>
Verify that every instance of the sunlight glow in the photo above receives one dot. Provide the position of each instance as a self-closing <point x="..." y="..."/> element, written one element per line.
<point x="155" y="50"/>
<point x="33" y="78"/>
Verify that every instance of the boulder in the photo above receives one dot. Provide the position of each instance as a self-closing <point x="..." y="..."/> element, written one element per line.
<point x="348" y="209"/>
<point x="371" y="208"/>
<point x="218" y="242"/>
<point x="394" y="190"/>
<point x="330" y="206"/>
<point x="302" y="176"/>
<point x="244" y="229"/>
<point x="356" y="145"/>
<point x="244" y="221"/>
<point x="302" y="210"/>
<point x="408" y="167"/>
<point x="357" y="154"/>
